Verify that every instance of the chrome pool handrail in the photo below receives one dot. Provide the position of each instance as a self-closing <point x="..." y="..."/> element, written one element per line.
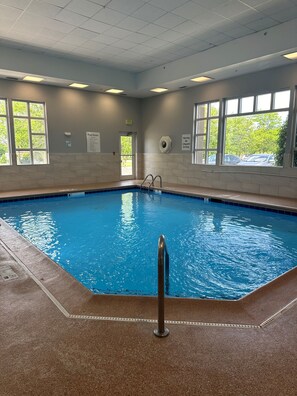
<point x="146" y="177"/>
<point x="163" y="272"/>
<point x="161" y="182"/>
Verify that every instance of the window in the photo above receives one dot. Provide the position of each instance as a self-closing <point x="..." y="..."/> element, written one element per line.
<point x="30" y="134"/>
<point x="5" y="158"/>
<point x="256" y="129"/>
<point x="206" y="128"/>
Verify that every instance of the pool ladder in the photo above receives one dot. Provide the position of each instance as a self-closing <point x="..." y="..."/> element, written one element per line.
<point x="152" y="183"/>
<point x="163" y="286"/>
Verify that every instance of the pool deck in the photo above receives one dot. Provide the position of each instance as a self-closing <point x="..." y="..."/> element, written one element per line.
<point x="59" y="339"/>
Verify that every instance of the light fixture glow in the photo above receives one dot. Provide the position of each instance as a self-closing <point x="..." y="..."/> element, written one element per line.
<point x="201" y="79"/>
<point x="159" y="90"/>
<point x="292" y="55"/>
<point x="114" y="91"/>
<point x="78" y="85"/>
<point x="33" y="79"/>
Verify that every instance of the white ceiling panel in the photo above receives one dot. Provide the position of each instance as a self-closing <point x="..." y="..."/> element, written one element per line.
<point x="168" y="5"/>
<point x="125" y="6"/>
<point x="21" y="4"/>
<point x="72" y="18"/>
<point x="43" y="9"/>
<point x="95" y="26"/>
<point x="109" y="16"/>
<point x="135" y="34"/>
<point x="131" y="23"/>
<point x="152" y="30"/>
<point x="59" y="3"/>
<point x="169" y="20"/>
<point x="84" y="7"/>
<point x="148" y="13"/>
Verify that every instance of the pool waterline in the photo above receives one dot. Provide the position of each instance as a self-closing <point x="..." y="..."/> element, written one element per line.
<point x="182" y="295"/>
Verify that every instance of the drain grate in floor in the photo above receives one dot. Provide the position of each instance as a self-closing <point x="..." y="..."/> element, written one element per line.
<point x="7" y="273"/>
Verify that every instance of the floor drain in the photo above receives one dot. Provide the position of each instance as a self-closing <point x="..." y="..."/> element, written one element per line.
<point x="7" y="274"/>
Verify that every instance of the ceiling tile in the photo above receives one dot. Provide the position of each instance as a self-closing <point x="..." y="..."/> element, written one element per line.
<point x="125" y="44"/>
<point x="238" y="31"/>
<point x="59" y="3"/>
<point x="169" y="20"/>
<point x="231" y="9"/>
<point x="137" y="38"/>
<point x="21" y="4"/>
<point x="84" y="7"/>
<point x="125" y="6"/>
<point x="109" y="16"/>
<point x="95" y="26"/>
<point x="285" y="15"/>
<point x="152" y="30"/>
<point x="189" y="10"/>
<point x="103" y="38"/>
<point x="168" y="5"/>
<point x="9" y="13"/>
<point x="71" y="17"/>
<point x="188" y="27"/>
<point x="261" y="24"/>
<point x="149" y="13"/>
<point x="43" y="9"/>
<point x="155" y="43"/>
<point x="91" y="44"/>
<point x="131" y="23"/>
<point x="171" y="35"/>
<point x="117" y="32"/>
<point x="210" y="4"/>
<point x="57" y="25"/>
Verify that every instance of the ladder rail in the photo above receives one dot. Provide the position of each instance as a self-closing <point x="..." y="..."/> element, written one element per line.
<point x="161" y="182"/>
<point x="145" y="179"/>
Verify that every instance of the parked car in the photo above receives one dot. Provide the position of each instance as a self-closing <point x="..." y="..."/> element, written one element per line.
<point x="229" y="159"/>
<point x="258" y="160"/>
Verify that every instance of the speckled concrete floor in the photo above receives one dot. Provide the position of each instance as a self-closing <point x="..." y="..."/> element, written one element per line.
<point x="44" y="353"/>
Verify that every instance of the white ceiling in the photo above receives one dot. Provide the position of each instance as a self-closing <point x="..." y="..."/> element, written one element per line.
<point x="134" y="35"/>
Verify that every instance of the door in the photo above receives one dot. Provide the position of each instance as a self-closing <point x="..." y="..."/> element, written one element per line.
<point x="127" y="153"/>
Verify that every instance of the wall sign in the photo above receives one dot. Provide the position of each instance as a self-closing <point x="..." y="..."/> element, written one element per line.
<point x="186" y="142"/>
<point x="93" y="142"/>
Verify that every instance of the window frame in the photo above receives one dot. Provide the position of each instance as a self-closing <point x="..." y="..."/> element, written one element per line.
<point x="30" y="118"/>
<point x="206" y="149"/>
<point x="225" y="116"/>
<point x="7" y="117"/>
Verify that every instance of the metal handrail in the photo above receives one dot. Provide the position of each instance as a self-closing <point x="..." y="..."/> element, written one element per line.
<point x="146" y="177"/>
<point x="163" y="269"/>
<point x="161" y="183"/>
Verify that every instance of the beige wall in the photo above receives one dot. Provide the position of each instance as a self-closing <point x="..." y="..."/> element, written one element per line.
<point x="172" y="114"/>
<point x="177" y="168"/>
<point x="75" y="111"/>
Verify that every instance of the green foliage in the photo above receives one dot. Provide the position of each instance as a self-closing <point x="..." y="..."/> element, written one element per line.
<point x="280" y="151"/>
<point x="4" y="147"/>
<point x="252" y="134"/>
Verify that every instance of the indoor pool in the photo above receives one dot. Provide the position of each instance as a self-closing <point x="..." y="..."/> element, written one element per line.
<point x="108" y="241"/>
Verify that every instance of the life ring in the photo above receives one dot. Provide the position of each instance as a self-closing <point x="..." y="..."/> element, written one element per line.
<point x="165" y="144"/>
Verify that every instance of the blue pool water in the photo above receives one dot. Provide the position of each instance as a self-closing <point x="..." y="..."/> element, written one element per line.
<point x="108" y="241"/>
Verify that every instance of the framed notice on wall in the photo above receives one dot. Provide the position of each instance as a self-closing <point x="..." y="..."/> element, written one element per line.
<point x="93" y="142"/>
<point x="186" y="142"/>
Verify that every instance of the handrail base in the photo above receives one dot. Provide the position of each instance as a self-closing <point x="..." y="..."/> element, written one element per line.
<point x="161" y="334"/>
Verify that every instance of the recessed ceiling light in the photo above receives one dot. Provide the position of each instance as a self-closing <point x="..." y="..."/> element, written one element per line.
<point x="114" y="91"/>
<point x="32" y="78"/>
<point x="292" y="55"/>
<point x="159" y="90"/>
<point x="78" y="85"/>
<point x="201" y="79"/>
